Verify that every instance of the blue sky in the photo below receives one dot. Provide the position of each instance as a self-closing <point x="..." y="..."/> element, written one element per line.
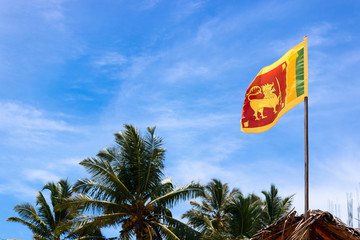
<point x="73" y="72"/>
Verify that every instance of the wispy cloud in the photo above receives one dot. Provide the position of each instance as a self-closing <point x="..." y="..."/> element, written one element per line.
<point x="148" y="4"/>
<point x="187" y="8"/>
<point x="319" y="34"/>
<point x="217" y="28"/>
<point x="28" y="123"/>
<point x="110" y="59"/>
<point x="63" y="165"/>
<point x="342" y="164"/>
<point x="45" y="171"/>
<point x="183" y="122"/>
<point x="52" y="11"/>
<point x="40" y="174"/>
<point x="185" y="70"/>
<point x="138" y="65"/>
<point x="18" y="188"/>
<point x="14" y="115"/>
<point x="188" y="170"/>
<point x="117" y="66"/>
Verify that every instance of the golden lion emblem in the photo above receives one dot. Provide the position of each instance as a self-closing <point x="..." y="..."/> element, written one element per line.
<point x="270" y="100"/>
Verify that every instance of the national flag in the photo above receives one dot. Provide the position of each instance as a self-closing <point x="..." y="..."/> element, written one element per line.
<point x="275" y="90"/>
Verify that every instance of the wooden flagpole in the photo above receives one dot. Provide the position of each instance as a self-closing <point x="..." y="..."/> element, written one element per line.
<point x="306" y="128"/>
<point x="306" y="131"/>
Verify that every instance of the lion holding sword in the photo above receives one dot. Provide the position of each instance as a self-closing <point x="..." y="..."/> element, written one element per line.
<point x="270" y="100"/>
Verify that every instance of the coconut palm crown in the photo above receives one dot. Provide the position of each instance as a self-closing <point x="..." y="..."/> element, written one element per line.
<point x="43" y="221"/>
<point x="127" y="188"/>
<point x="275" y="206"/>
<point x="244" y="216"/>
<point x="208" y="216"/>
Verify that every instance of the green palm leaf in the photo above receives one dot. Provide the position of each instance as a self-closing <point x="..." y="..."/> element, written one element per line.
<point x="45" y="211"/>
<point x="193" y="190"/>
<point x="275" y="206"/>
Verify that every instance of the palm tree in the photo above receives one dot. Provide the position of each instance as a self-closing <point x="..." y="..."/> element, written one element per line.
<point x="127" y="188"/>
<point x="244" y="216"/>
<point x="275" y="206"/>
<point x="209" y="216"/>
<point x="43" y="221"/>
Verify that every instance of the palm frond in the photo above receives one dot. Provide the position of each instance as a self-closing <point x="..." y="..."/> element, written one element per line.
<point x="109" y="154"/>
<point x="203" y="207"/>
<point x="275" y="206"/>
<point x="99" y="191"/>
<point x="153" y="167"/>
<point x="35" y="228"/>
<point x="102" y="217"/>
<point x="27" y="212"/>
<point x="45" y="211"/>
<point x="104" y="172"/>
<point x="65" y="190"/>
<point x="198" y="219"/>
<point x="86" y="223"/>
<point x="85" y="202"/>
<point x="38" y="237"/>
<point x="182" y="230"/>
<point x="244" y="215"/>
<point x="193" y="190"/>
<point x="206" y="206"/>
<point x="233" y="194"/>
<point x="167" y="232"/>
<point x="88" y="232"/>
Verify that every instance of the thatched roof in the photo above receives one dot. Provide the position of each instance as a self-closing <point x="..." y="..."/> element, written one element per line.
<point x="319" y="226"/>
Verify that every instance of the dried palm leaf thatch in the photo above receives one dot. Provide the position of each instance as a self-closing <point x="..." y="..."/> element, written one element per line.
<point x="319" y="226"/>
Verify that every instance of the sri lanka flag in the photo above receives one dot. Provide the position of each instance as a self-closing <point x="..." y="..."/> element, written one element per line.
<point x="275" y="90"/>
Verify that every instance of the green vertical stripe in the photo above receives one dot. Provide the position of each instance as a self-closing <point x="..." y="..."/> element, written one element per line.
<point x="300" y="73"/>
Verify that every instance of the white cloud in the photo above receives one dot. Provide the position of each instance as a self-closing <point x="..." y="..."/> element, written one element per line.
<point x="17" y="188"/>
<point x="137" y="65"/>
<point x="72" y="161"/>
<point x="206" y="160"/>
<point x="184" y="70"/>
<point x="53" y="15"/>
<point x="118" y="66"/>
<point x="111" y="59"/>
<point x="342" y="164"/>
<point x="318" y="34"/>
<point x="182" y="122"/>
<point x="40" y="174"/>
<point x="64" y="165"/>
<point x="187" y="8"/>
<point x="331" y="176"/>
<point x="15" y="116"/>
<point x="198" y="170"/>
<point x="148" y="4"/>
<point x="46" y="171"/>
<point x="28" y="124"/>
<point x="50" y="11"/>
<point x="214" y="28"/>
